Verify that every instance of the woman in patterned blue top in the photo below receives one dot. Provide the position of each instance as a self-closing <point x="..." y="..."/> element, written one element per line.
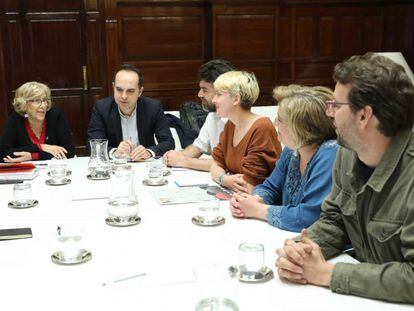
<point x="291" y="197"/>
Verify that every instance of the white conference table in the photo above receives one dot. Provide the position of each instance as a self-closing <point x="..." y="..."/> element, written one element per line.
<point x="166" y="246"/>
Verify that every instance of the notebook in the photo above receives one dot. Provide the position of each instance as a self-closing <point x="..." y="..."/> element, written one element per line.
<point x="18" y="171"/>
<point x="17" y="233"/>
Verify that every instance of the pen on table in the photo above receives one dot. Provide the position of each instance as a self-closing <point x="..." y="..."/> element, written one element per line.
<point x="41" y="165"/>
<point x="124" y="279"/>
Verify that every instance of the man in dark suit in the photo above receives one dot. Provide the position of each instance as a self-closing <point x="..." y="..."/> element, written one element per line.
<point x="129" y="120"/>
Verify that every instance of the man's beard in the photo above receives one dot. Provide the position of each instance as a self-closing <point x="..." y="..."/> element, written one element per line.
<point x="208" y="107"/>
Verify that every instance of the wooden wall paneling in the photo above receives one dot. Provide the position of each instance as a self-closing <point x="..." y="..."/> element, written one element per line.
<point x="408" y="34"/>
<point x="393" y="29"/>
<point x="4" y="103"/>
<point x="95" y="86"/>
<point x="327" y="35"/>
<point x="372" y="29"/>
<point x="286" y="46"/>
<point x="113" y="58"/>
<point x="14" y="55"/>
<point x="170" y="56"/>
<point x="55" y="5"/>
<point x="246" y="36"/>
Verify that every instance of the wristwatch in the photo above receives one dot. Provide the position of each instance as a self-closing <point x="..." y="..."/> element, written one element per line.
<point x="221" y="178"/>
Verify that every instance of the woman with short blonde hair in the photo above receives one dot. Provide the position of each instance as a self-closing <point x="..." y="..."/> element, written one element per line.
<point x="291" y="197"/>
<point x="248" y="147"/>
<point x="36" y="130"/>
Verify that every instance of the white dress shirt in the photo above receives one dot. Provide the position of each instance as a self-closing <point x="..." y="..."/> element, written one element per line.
<point x="210" y="133"/>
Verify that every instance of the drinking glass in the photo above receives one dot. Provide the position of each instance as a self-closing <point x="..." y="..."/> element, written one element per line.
<point x="155" y="171"/>
<point x="22" y="194"/>
<point x="69" y="239"/>
<point x="57" y="170"/>
<point x="208" y="211"/>
<point x="251" y="258"/>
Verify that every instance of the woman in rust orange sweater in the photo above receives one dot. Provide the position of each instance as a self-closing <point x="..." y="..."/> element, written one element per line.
<point x="248" y="147"/>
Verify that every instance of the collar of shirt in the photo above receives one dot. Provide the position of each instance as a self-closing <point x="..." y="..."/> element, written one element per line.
<point x="388" y="163"/>
<point x="133" y="114"/>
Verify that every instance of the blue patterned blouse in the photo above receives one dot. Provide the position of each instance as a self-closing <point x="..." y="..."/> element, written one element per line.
<point x="294" y="200"/>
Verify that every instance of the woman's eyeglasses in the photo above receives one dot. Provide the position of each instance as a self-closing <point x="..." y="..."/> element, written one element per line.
<point x="39" y="102"/>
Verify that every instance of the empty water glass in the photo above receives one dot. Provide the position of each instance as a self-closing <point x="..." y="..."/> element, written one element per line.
<point x="57" y="170"/>
<point x="22" y="194"/>
<point x="251" y="258"/>
<point x="69" y="239"/>
<point x="155" y="171"/>
<point x="208" y="211"/>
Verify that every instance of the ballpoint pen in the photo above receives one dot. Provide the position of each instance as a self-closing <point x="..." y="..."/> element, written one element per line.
<point x="124" y="279"/>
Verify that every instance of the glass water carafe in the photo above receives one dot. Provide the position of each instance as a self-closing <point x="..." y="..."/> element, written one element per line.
<point x="123" y="203"/>
<point x="98" y="166"/>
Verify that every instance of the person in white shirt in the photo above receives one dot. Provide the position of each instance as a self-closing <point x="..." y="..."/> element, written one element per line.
<point x="213" y="126"/>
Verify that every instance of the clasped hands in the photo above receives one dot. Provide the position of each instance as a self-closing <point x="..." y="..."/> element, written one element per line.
<point x="126" y="148"/>
<point x="303" y="262"/>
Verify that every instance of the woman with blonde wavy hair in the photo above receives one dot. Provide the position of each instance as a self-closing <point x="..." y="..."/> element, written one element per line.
<point x="35" y="130"/>
<point x="291" y="197"/>
<point x="248" y="146"/>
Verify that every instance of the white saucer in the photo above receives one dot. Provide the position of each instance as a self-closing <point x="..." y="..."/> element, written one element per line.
<point x="116" y="222"/>
<point x="31" y="203"/>
<point x="197" y="220"/>
<point x="59" y="259"/>
<point x="51" y="182"/>
<point x="251" y="276"/>
<point x="147" y="182"/>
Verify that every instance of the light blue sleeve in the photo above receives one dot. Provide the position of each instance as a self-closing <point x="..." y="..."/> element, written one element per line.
<point x="272" y="188"/>
<point x="318" y="185"/>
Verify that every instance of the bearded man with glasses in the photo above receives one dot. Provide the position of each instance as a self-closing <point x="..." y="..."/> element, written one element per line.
<point x="371" y="205"/>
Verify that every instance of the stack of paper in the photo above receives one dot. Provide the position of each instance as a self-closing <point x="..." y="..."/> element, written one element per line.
<point x="18" y="171"/>
<point x="192" y="179"/>
<point x="180" y="195"/>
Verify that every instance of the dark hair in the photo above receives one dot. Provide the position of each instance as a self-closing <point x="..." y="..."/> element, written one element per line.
<point x="211" y="70"/>
<point x="383" y="85"/>
<point x="130" y="67"/>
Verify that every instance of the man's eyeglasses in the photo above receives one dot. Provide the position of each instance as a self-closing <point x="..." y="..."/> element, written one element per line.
<point x="38" y="102"/>
<point x="332" y="104"/>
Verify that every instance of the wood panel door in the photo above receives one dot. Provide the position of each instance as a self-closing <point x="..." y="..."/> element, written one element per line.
<point x="52" y="42"/>
<point x="165" y="39"/>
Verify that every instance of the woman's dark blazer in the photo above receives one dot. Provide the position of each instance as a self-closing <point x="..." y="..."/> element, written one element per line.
<point x="15" y="137"/>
